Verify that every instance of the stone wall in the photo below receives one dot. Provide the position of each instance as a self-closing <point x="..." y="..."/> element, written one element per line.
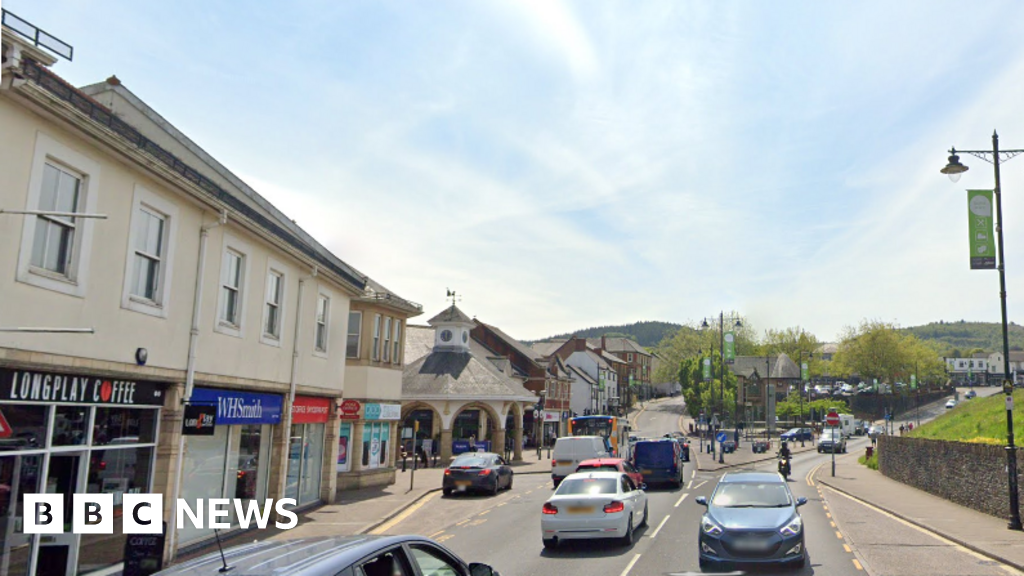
<point x="873" y="406"/>
<point x="972" y="475"/>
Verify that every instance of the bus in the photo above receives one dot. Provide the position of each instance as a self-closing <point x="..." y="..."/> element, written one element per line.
<point x="612" y="428"/>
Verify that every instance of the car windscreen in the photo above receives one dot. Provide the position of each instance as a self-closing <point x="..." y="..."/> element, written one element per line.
<point x="751" y="495"/>
<point x="471" y="462"/>
<point x="584" y="486"/>
<point x="654" y="454"/>
<point x="598" y="467"/>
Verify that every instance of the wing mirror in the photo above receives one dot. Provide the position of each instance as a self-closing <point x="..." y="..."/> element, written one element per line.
<point x="701" y="500"/>
<point x="801" y="501"/>
<point x="643" y="487"/>
<point x="478" y="569"/>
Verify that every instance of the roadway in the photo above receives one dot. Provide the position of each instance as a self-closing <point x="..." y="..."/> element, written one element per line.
<point x="843" y="537"/>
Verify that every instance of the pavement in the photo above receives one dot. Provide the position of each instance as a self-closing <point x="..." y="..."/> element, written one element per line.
<point x="987" y="535"/>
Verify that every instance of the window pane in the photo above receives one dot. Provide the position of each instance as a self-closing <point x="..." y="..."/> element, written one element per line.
<point x="21" y="475"/>
<point x="312" y="463"/>
<point x="67" y="196"/>
<point x="291" y="488"/>
<point x="155" y="236"/>
<point x="274" y="288"/>
<point x="39" y="242"/>
<point x="119" y="426"/>
<point x="116" y="472"/>
<point x="230" y="305"/>
<point x="28" y="427"/>
<point x="70" y="425"/>
<point x="248" y="484"/>
<point x="271" y="327"/>
<point x="48" y="195"/>
<point x="146" y="276"/>
<point x="321" y="337"/>
<point x="63" y="253"/>
<point x="431" y="563"/>
<point x="203" y="475"/>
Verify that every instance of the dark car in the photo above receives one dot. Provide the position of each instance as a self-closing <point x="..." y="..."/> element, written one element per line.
<point x="831" y="441"/>
<point x="684" y="444"/>
<point x="477" y="472"/>
<point x="342" y="555"/>
<point x="797" y="434"/>
<point x="659" y="461"/>
<point x="751" y="518"/>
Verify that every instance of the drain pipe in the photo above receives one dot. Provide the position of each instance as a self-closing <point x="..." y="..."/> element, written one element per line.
<point x="294" y="377"/>
<point x="190" y="372"/>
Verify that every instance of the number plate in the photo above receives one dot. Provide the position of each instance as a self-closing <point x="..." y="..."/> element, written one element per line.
<point x="564" y="462"/>
<point x="645" y="471"/>
<point x="751" y="544"/>
<point x="580" y="509"/>
<point x="463" y="483"/>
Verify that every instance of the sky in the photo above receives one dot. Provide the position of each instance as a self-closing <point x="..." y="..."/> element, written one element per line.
<point x="562" y="165"/>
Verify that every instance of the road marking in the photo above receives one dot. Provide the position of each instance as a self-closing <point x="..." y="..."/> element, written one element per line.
<point x="408" y="512"/>
<point x="445" y="537"/>
<point x="435" y="534"/>
<point x="833" y="524"/>
<point x="461" y="523"/>
<point x="484" y="512"/>
<point x="847" y="548"/>
<point x="693" y="473"/>
<point x="658" y="529"/>
<point x="690" y="487"/>
<point x="681" y="498"/>
<point x="630" y="565"/>
<point x="857" y="564"/>
<point x="839" y="534"/>
<point x="810" y="475"/>
<point x="702" y="482"/>
<point x="478" y="522"/>
<point x="938" y="537"/>
<point x="500" y="505"/>
<point x="825" y="506"/>
<point x="828" y="514"/>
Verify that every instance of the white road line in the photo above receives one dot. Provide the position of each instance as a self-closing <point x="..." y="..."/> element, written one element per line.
<point x="702" y="482"/>
<point x="630" y="565"/>
<point x="658" y="529"/>
<point x="693" y="473"/>
<point x="681" y="498"/>
<point x="690" y="487"/>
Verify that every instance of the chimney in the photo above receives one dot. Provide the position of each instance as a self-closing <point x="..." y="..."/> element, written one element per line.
<point x="602" y="342"/>
<point x="581" y="344"/>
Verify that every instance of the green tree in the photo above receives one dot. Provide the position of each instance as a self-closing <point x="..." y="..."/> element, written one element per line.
<point x="796" y="343"/>
<point x="707" y="396"/>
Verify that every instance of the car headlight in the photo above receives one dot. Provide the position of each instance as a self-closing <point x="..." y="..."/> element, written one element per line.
<point x="709" y="527"/>
<point x="793" y="528"/>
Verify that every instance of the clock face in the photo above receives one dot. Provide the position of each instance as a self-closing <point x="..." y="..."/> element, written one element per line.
<point x="465" y="337"/>
<point x="446" y="335"/>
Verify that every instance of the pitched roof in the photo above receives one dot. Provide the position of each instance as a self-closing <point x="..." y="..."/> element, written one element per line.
<point x="459" y="375"/>
<point x="419" y="341"/>
<point x="545" y="349"/>
<point x="612" y="357"/>
<point x="519" y="346"/>
<point x="618" y="345"/>
<point x="451" y="314"/>
<point x="582" y="375"/>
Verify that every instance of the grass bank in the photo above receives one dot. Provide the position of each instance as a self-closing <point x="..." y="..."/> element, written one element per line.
<point x="981" y="420"/>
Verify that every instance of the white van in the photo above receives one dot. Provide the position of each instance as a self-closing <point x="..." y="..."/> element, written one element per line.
<point x="571" y="450"/>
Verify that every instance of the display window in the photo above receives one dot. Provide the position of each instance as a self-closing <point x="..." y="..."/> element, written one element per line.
<point x="376" y="439"/>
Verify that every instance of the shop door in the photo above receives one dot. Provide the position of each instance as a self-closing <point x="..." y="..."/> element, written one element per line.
<point x="58" y="553"/>
<point x="21" y="475"/>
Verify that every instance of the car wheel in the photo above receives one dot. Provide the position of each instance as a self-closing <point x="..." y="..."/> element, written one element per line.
<point x="627" y="538"/>
<point x="550" y="543"/>
<point x="644" y="523"/>
<point x="510" y="481"/>
<point x="494" y="490"/>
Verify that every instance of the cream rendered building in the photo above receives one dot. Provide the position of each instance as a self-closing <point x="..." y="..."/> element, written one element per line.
<point x="191" y="288"/>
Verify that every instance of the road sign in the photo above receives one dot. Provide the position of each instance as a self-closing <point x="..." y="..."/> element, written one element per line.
<point x="1009" y="406"/>
<point x="5" y="428"/>
<point x="832" y="419"/>
<point x="721" y="437"/>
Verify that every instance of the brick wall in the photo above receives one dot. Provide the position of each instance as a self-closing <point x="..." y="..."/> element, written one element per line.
<point x="972" y="475"/>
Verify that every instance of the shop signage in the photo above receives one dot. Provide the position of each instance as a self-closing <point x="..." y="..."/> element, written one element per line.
<point x="349" y="410"/>
<point x="382" y="412"/>
<point x="551" y="416"/>
<point x="5" y="428"/>
<point x="144" y="553"/>
<point x="310" y="410"/>
<point x="32" y="386"/>
<point x="235" y="407"/>
<point x="200" y="420"/>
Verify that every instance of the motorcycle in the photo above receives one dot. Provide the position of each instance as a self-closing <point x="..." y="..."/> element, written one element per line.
<point x="784" y="467"/>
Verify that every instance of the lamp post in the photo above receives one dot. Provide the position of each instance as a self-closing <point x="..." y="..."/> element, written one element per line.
<point x="954" y="169"/>
<point x="721" y="382"/>
<point x="803" y="385"/>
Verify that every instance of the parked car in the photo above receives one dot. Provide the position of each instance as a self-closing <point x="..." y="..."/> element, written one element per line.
<point x="751" y="517"/>
<point x="569" y="451"/>
<point x="593" y="505"/>
<point x="876" y="431"/>
<point x="797" y="434"/>
<point x="612" y="465"/>
<point x="477" y="472"/>
<point x="951" y="403"/>
<point x="659" y="461"/>
<point x="861" y="428"/>
<point x="831" y="440"/>
<point x="367" y="555"/>
<point x="970" y="394"/>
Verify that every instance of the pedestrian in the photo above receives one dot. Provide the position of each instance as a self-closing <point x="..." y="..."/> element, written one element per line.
<point x="902" y="428"/>
<point x="472" y="442"/>
<point x="911" y="427"/>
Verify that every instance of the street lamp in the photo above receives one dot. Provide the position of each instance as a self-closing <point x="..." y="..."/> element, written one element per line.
<point x="954" y="169"/>
<point x="802" y="391"/>
<point x="721" y="383"/>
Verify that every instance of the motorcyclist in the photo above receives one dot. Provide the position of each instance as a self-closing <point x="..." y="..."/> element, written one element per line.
<point x="784" y="455"/>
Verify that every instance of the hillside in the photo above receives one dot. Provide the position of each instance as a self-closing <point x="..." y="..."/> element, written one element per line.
<point x="960" y="338"/>
<point x="982" y="420"/>
<point x="647" y="334"/>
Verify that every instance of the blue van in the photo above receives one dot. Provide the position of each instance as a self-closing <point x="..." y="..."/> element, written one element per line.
<point x="659" y="461"/>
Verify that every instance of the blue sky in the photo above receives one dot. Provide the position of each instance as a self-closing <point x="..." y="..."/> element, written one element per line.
<point x="573" y="164"/>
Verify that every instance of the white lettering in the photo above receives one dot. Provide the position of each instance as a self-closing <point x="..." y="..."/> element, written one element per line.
<point x="253" y="510"/>
<point x="183" y="510"/>
<point x="293" y="518"/>
<point x="215" y="511"/>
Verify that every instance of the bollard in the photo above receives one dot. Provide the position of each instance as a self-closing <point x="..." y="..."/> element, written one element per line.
<point x="869" y="451"/>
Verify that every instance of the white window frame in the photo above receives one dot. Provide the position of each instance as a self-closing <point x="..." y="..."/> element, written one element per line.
<point x="396" y="352"/>
<point x="236" y="246"/>
<point x="358" y="333"/>
<point x="386" y="349"/>
<point x="317" y="349"/>
<point x="274" y="267"/>
<point x="144" y="199"/>
<point x="49" y="150"/>
<point x="375" y="351"/>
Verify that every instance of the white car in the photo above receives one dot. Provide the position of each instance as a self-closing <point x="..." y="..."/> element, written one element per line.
<point x="951" y="403"/>
<point x="594" y="505"/>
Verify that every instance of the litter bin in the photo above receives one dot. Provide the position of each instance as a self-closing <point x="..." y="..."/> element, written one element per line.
<point x="869" y="451"/>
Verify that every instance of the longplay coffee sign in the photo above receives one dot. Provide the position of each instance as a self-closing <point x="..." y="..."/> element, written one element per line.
<point x="33" y="386"/>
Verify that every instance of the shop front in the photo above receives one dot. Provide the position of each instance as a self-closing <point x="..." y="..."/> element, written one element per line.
<point x="366" y="442"/>
<point x="66" y="434"/>
<point x="234" y="461"/>
<point x="306" y="449"/>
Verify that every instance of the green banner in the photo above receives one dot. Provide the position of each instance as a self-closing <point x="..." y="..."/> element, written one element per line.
<point x="730" y="347"/>
<point x="805" y="374"/>
<point x="600" y="380"/>
<point x="707" y="369"/>
<point x="983" y="248"/>
<point x="913" y="381"/>
<point x="875" y="385"/>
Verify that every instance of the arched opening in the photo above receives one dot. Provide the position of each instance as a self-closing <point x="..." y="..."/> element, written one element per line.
<point x="425" y="436"/>
<point x="475" y="427"/>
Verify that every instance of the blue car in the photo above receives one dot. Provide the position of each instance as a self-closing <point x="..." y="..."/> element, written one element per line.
<point x="797" y="434"/>
<point x="751" y="518"/>
<point x="659" y="461"/>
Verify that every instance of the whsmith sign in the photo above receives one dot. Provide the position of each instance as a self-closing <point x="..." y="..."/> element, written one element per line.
<point x="31" y="386"/>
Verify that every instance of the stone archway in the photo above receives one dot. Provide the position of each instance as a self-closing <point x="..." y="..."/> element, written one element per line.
<point x="513" y="424"/>
<point x="478" y="421"/>
<point x="431" y="425"/>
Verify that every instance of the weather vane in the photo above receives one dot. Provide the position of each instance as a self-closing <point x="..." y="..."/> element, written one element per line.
<point x="454" y="298"/>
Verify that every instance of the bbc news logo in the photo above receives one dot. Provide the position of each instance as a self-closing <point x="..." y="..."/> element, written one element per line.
<point x="144" y="513"/>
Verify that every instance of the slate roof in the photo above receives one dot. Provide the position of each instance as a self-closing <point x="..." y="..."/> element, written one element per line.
<point x="419" y="341"/>
<point x="545" y="349"/>
<point x="582" y="375"/>
<point x="458" y="375"/>
<point x="451" y="314"/>
<point x="609" y="356"/>
<point x="618" y="345"/>
<point x="522" y="348"/>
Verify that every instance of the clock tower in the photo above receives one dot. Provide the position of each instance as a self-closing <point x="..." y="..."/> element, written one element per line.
<point x="451" y="330"/>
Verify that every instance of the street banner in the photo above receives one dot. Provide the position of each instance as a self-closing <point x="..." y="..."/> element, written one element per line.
<point x="730" y="347"/>
<point x="982" y="240"/>
<point x="707" y="369"/>
<point x="600" y="380"/>
<point x="875" y="385"/>
<point x="913" y="381"/>
<point x="805" y="374"/>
